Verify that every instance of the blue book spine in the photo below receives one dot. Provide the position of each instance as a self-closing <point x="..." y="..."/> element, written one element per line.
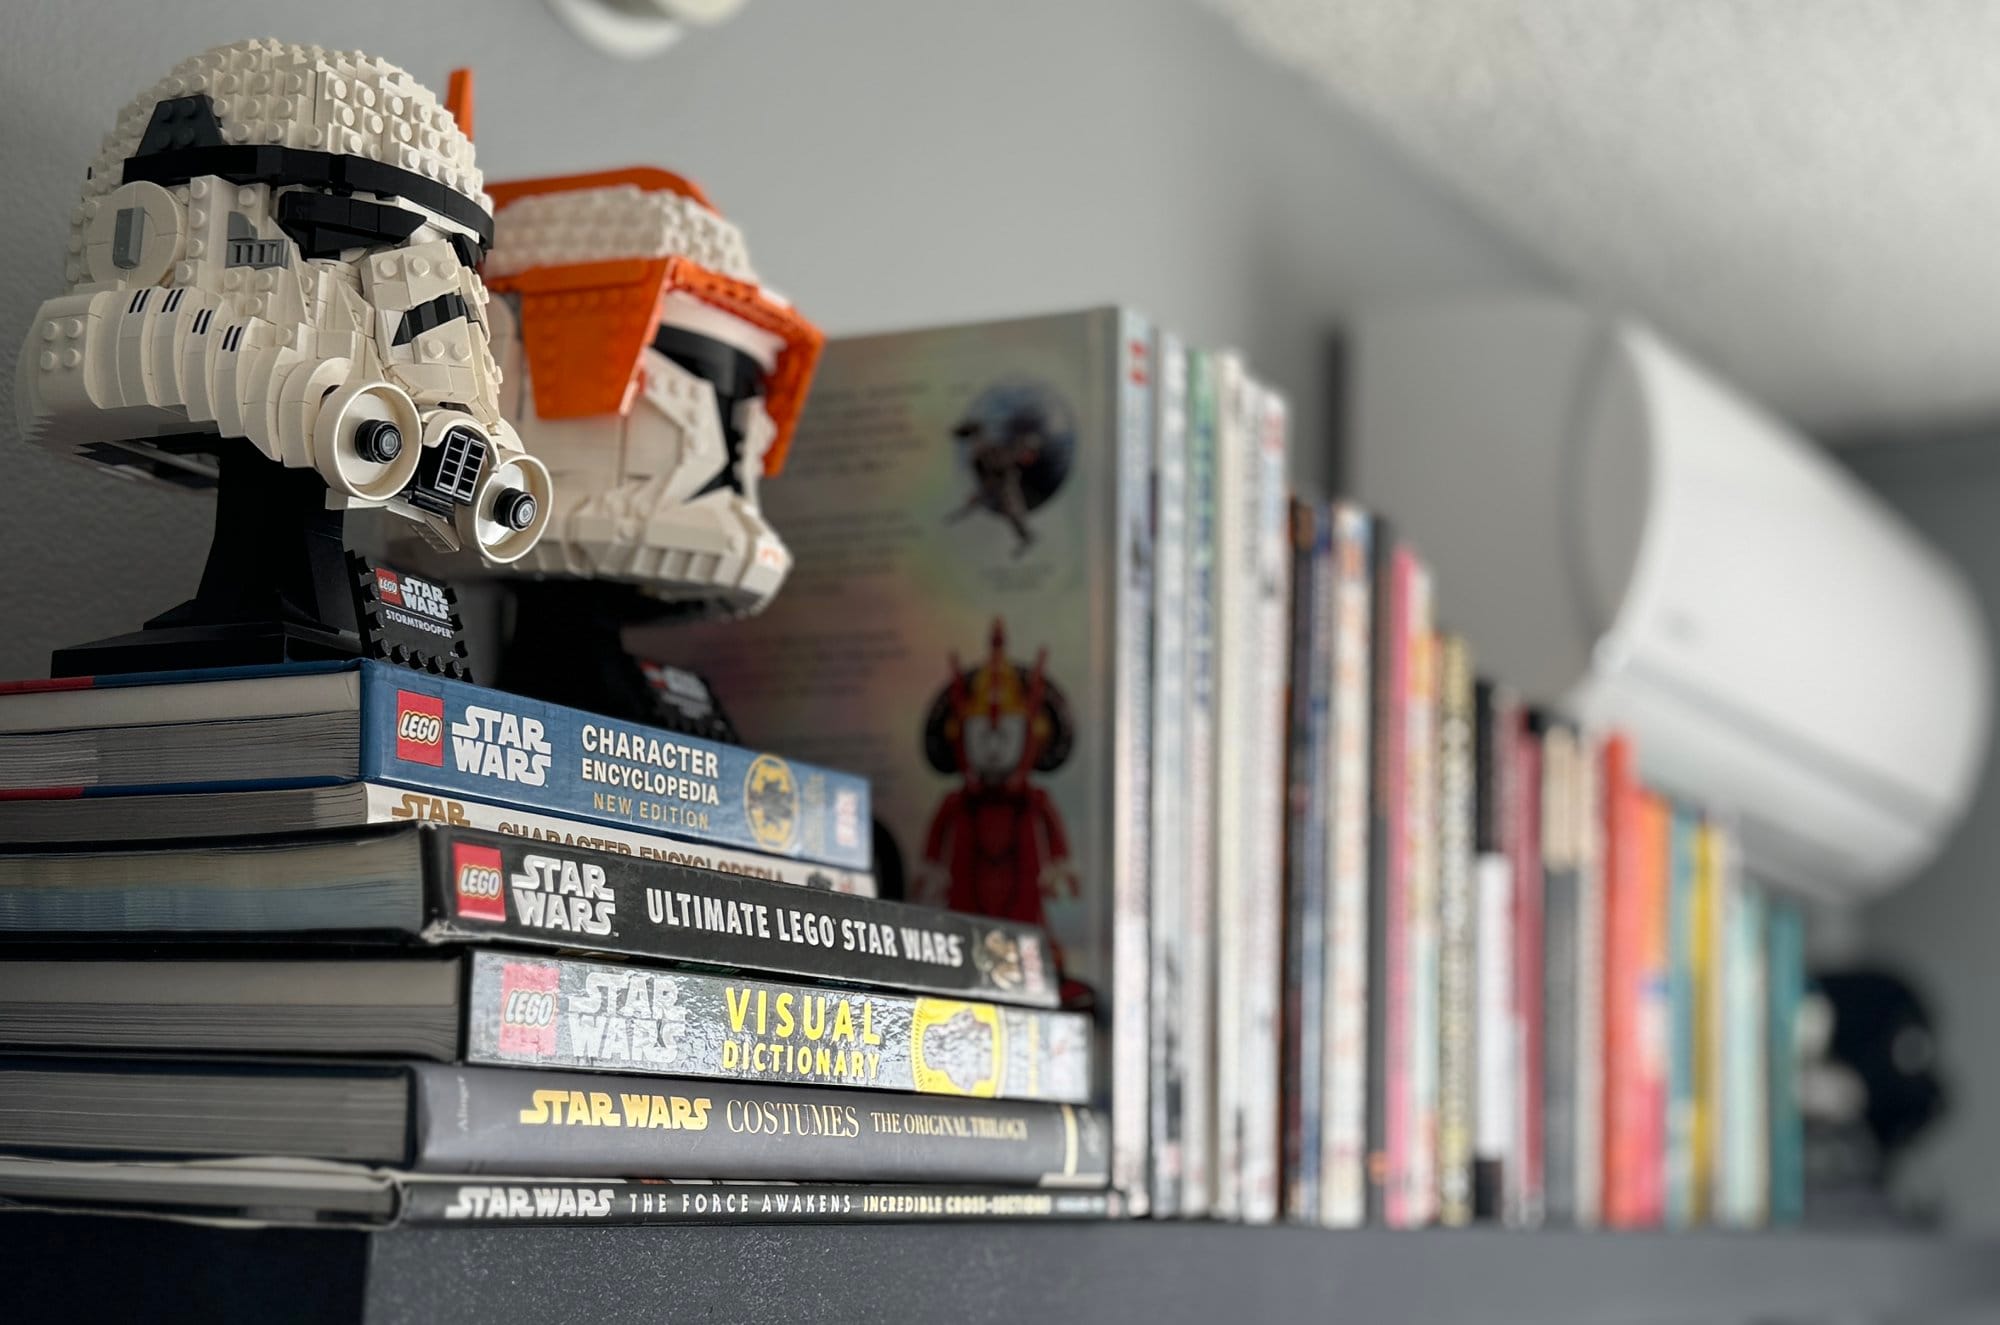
<point x="437" y="735"/>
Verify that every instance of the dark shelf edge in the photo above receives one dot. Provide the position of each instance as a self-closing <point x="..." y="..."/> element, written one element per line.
<point x="72" y="1268"/>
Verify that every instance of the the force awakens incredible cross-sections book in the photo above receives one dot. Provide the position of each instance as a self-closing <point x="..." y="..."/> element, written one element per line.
<point x="969" y="627"/>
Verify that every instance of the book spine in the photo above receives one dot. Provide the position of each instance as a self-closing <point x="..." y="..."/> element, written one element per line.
<point x="1681" y="1048"/>
<point x="1457" y="935"/>
<point x="1169" y="785"/>
<point x="455" y="739"/>
<point x="473" y="1120"/>
<point x="393" y="805"/>
<point x="485" y="887"/>
<point x="1129" y="811"/>
<point x="1235" y="600"/>
<point x="526" y="1011"/>
<point x="1708" y="1065"/>
<point x="1624" y="992"/>
<point x="1197" y="946"/>
<point x="1525" y="1190"/>
<point x="1561" y="908"/>
<point x="1745" y="1175"/>
<point x="505" y="1202"/>
<point x="1388" y="849"/>
<point x="1496" y="715"/>
<point x="1305" y="858"/>
<point x="1263" y="969"/>
<point x="1587" y="817"/>
<point x="1420" y="820"/>
<point x="1655" y="1038"/>
<point x="1344" y="1094"/>
<point x="1786" y="976"/>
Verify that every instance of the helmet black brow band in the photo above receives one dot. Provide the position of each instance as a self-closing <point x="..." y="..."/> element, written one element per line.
<point x="324" y="225"/>
<point x="253" y="163"/>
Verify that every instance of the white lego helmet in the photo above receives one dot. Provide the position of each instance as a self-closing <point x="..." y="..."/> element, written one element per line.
<point x="280" y="243"/>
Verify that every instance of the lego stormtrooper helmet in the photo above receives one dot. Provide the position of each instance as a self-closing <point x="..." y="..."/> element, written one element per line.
<point x="280" y="243"/>
<point x="661" y="382"/>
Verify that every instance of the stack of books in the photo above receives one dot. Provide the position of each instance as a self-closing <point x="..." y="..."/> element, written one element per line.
<point x="356" y="944"/>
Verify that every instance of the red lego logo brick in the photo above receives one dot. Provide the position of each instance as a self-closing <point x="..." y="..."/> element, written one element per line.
<point x="481" y="894"/>
<point x="528" y="993"/>
<point x="389" y="587"/>
<point x="420" y="728"/>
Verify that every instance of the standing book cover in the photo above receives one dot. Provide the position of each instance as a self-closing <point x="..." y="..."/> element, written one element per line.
<point x="968" y="624"/>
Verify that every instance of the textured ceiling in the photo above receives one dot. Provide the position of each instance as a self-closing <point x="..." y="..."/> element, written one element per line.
<point x="1806" y="193"/>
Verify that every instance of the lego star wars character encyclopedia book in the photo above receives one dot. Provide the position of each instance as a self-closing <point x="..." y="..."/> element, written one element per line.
<point x="968" y="627"/>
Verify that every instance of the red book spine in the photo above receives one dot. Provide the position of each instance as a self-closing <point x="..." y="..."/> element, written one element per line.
<point x="1649" y="1132"/>
<point x="1624" y="1095"/>
<point x="1524" y="1206"/>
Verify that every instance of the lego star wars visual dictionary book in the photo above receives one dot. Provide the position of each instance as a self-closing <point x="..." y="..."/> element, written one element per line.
<point x="968" y="622"/>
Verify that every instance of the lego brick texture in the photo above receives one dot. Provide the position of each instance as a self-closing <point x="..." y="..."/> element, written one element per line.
<point x="897" y="164"/>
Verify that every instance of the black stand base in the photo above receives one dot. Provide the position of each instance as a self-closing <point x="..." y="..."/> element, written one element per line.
<point x="565" y="646"/>
<point x="276" y="589"/>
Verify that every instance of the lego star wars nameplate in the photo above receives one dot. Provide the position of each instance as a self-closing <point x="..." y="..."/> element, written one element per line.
<point x="439" y="735"/>
<point x="493" y="888"/>
<point x="546" y="1012"/>
<point x="409" y="620"/>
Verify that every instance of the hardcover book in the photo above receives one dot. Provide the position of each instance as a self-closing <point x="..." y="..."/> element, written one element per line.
<point x="321" y="723"/>
<point x="1344" y="1092"/>
<point x="281" y="1193"/>
<point x="1196" y="1010"/>
<point x="436" y="1118"/>
<point x="1457" y="1107"/>
<point x="1495" y="1133"/>
<point x="1561" y="972"/>
<point x="1170" y="745"/>
<point x="199" y="817"/>
<point x="511" y="1009"/>
<point x="968" y="625"/>
<point x="442" y="885"/>
<point x="1308" y="766"/>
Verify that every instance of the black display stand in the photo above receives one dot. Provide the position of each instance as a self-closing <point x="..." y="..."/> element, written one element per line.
<point x="70" y="1268"/>
<point x="276" y="587"/>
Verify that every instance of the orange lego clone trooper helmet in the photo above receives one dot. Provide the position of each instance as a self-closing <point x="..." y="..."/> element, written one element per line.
<point x="643" y="361"/>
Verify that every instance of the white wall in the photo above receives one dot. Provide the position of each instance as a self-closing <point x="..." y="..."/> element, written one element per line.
<point x="892" y="162"/>
<point x="1942" y="931"/>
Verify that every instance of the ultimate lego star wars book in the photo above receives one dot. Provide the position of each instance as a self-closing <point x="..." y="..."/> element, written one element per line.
<point x="511" y="1009"/>
<point x="421" y="884"/>
<point x="435" y="1118"/>
<point x="968" y="625"/>
<point x="315" y="724"/>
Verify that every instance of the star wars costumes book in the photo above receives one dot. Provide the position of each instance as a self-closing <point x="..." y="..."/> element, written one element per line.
<point x="434" y="1118"/>
<point x="442" y="885"/>
<point x="316" y="724"/>
<point x="510" y="1009"/>
<point x="968" y="626"/>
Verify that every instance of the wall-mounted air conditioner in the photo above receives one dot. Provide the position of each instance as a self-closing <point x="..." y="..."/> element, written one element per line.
<point x="1624" y="537"/>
